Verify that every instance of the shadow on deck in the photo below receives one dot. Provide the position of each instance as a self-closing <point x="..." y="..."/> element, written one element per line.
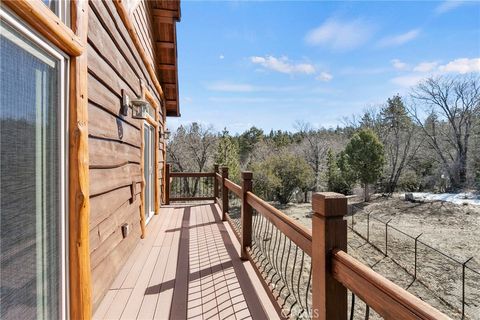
<point x="188" y="267"/>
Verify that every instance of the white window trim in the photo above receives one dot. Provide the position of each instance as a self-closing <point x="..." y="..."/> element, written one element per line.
<point x="16" y="23"/>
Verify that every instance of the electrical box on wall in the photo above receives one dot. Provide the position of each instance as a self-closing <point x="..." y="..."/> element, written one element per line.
<point x="125" y="229"/>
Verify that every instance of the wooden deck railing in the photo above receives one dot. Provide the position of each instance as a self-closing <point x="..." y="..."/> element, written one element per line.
<point x="306" y="272"/>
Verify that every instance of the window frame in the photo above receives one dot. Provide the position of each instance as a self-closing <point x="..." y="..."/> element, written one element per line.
<point x="16" y="23"/>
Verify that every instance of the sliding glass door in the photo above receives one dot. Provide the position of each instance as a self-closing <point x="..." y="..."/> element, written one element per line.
<point x="32" y="180"/>
<point x="148" y="169"/>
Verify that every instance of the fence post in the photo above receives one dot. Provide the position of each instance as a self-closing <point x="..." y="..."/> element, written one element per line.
<point x="329" y="231"/>
<point x="464" y="265"/>
<point x="368" y="227"/>
<point x="386" y="237"/>
<point x="167" y="184"/>
<point x="215" y="182"/>
<point x="353" y="221"/>
<point x="415" y="266"/>
<point x="224" y="194"/>
<point x="246" y="215"/>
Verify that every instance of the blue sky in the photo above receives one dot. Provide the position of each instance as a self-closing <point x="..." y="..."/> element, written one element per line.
<point x="270" y="64"/>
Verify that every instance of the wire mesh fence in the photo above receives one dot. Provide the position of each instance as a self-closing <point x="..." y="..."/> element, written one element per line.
<point x="455" y="282"/>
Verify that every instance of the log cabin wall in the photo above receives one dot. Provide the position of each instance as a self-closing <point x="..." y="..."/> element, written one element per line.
<point x="114" y="64"/>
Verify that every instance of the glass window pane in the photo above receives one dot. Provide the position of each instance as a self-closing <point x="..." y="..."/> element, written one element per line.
<point x="52" y="4"/>
<point x="30" y="188"/>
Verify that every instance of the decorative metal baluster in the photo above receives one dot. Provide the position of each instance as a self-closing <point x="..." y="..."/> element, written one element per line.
<point x="264" y="256"/>
<point x="352" y="308"/>
<point x="291" y="280"/>
<point x="254" y="231"/>
<point x="307" y="292"/>
<point x="297" y="297"/>
<point x="285" y="280"/>
<point x="272" y="261"/>
<point x="260" y="239"/>
<point x="280" y="277"/>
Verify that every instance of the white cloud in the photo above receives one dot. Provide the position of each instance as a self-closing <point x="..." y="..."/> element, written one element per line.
<point x="407" y="81"/>
<point x="283" y="65"/>
<point x="221" y="57"/>
<point x="426" y="69"/>
<point x="425" y="66"/>
<point x="448" y="5"/>
<point x="324" y="76"/>
<point x="462" y="66"/>
<point x="399" y="65"/>
<point x="399" y="39"/>
<point x="341" y="35"/>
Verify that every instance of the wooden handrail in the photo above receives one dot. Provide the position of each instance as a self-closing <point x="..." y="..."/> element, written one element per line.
<point x="235" y="188"/>
<point x="299" y="234"/>
<point x="192" y="174"/>
<point x="386" y="298"/>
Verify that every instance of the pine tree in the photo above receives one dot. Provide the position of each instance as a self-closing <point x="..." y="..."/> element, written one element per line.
<point x="227" y="154"/>
<point x="366" y="158"/>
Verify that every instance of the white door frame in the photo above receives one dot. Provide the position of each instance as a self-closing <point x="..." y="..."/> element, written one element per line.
<point x="149" y="167"/>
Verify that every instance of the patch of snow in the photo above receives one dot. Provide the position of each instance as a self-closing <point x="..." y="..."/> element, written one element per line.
<point x="457" y="198"/>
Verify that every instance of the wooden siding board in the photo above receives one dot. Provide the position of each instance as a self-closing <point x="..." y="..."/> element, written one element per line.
<point x="123" y="31"/>
<point x="106" y="50"/>
<point x="108" y="203"/>
<point x="110" y="241"/>
<point x="110" y="26"/>
<point x="120" y="30"/>
<point x="107" y="75"/>
<point x="104" y="125"/>
<point x="104" y="180"/>
<point x="101" y="152"/>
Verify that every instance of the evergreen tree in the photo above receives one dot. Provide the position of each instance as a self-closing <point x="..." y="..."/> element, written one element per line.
<point x="227" y="155"/>
<point x="365" y="157"/>
<point x="340" y="177"/>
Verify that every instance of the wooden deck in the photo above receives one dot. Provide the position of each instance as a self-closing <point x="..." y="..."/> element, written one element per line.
<point x="188" y="267"/>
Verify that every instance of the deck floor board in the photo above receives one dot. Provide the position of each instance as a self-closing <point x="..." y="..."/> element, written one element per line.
<point x="186" y="268"/>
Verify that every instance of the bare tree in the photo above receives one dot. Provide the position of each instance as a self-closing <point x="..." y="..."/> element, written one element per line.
<point x="192" y="149"/>
<point x="314" y="147"/>
<point x="451" y="105"/>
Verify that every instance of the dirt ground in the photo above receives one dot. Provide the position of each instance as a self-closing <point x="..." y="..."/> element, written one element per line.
<point x="452" y="229"/>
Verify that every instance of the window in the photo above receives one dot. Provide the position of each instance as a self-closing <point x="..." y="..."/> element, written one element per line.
<point x="33" y="165"/>
<point x="61" y="8"/>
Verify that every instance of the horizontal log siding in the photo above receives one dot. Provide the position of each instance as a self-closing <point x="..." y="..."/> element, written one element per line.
<point x="142" y="21"/>
<point x="114" y="142"/>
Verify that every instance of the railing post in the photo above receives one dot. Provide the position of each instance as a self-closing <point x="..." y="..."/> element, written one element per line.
<point x="247" y="211"/>
<point x="224" y="194"/>
<point x="167" y="184"/>
<point x="215" y="182"/>
<point x="329" y="231"/>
